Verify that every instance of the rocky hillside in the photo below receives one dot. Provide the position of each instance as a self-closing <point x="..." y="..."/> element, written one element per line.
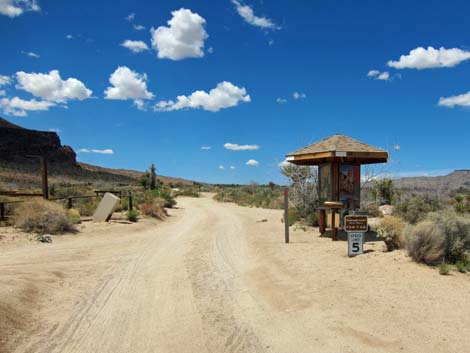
<point x="19" y="170"/>
<point x="437" y="184"/>
<point x="19" y="144"/>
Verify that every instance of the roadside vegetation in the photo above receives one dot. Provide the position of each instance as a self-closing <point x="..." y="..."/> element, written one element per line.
<point x="433" y="229"/>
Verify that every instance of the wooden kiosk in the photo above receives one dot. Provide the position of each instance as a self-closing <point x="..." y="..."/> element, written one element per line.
<point x="339" y="160"/>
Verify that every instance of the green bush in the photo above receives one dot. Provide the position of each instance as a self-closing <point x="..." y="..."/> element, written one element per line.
<point x="132" y="216"/>
<point x="415" y="208"/>
<point x="312" y="219"/>
<point x="265" y="196"/>
<point x="461" y="266"/>
<point x="163" y="193"/>
<point x="444" y="268"/>
<point x="390" y="230"/>
<point x="292" y="217"/>
<point x="41" y="216"/>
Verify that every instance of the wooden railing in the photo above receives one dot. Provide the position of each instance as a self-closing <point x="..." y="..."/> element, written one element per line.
<point x="69" y="204"/>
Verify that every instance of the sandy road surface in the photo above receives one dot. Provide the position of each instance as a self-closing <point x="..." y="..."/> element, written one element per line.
<point x="212" y="278"/>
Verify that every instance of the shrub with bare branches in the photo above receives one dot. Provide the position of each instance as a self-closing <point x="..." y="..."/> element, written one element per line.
<point x="42" y="216"/>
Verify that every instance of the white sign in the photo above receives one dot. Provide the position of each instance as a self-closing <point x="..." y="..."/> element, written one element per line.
<point x="355" y="244"/>
<point x="341" y="154"/>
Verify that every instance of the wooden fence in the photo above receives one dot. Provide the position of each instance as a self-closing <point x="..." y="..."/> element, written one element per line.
<point x="69" y="199"/>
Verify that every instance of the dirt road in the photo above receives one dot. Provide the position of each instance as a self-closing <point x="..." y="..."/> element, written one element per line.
<point x="214" y="278"/>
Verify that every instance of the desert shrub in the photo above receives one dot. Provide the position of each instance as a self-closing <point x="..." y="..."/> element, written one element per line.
<point x="383" y="191"/>
<point x="162" y="194"/>
<point x="462" y="203"/>
<point x="189" y="192"/>
<point x="154" y="209"/>
<point x="86" y="207"/>
<point x="292" y="217"/>
<point x="265" y="196"/>
<point x="426" y="244"/>
<point x="415" y="208"/>
<point x="461" y="266"/>
<point x="374" y="211"/>
<point x="390" y="230"/>
<point x="132" y="216"/>
<point x="73" y="216"/>
<point x="456" y="231"/>
<point x="42" y="216"/>
<point x="312" y="219"/>
<point x="443" y="236"/>
<point x="444" y="268"/>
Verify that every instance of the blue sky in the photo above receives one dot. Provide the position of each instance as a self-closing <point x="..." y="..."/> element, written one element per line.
<point x="283" y="74"/>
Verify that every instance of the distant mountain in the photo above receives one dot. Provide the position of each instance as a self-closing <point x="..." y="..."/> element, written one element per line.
<point x="19" y="169"/>
<point x="441" y="184"/>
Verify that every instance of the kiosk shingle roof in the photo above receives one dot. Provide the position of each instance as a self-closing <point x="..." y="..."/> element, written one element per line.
<point x="338" y="147"/>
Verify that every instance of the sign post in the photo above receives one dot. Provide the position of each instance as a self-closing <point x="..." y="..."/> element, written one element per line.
<point x="356" y="226"/>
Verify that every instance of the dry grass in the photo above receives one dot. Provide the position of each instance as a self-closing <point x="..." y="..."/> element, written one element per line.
<point x="42" y="216"/>
<point x="426" y="243"/>
<point x="154" y="209"/>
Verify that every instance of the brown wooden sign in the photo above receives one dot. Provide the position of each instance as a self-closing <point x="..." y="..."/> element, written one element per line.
<point x="355" y="223"/>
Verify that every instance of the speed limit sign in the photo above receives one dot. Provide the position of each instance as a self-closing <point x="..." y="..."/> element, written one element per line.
<point x="355" y="242"/>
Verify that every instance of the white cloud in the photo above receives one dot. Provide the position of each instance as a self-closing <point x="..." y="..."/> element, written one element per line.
<point x="247" y="13"/>
<point x="232" y="167"/>
<point x="92" y="150"/>
<point x="271" y="42"/>
<point x="51" y="87"/>
<point x="19" y="107"/>
<point x="30" y="54"/>
<point x="210" y="50"/>
<point x="4" y="80"/>
<point x="184" y="38"/>
<point x="421" y="58"/>
<point x="299" y="95"/>
<point x="130" y="17"/>
<point x="55" y="130"/>
<point x="69" y="36"/>
<point x="237" y="147"/>
<point x="396" y="147"/>
<point x="225" y="95"/>
<point x="2" y="92"/>
<point x="139" y="27"/>
<point x="252" y="162"/>
<point x="377" y="75"/>
<point x="373" y="73"/>
<point x="221" y="167"/>
<point x="13" y="8"/>
<point x="128" y="84"/>
<point x="135" y="46"/>
<point x="281" y="100"/>
<point x="206" y="148"/>
<point x="460" y="100"/>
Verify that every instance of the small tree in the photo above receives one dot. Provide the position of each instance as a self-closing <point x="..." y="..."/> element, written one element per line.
<point x="153" y="177"/>
<point x="383" y="190"/>
<point x="303" y="188"/>
<point x="145" y="180"/>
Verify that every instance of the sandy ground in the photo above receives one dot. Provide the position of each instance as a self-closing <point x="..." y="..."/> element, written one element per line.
<point x="213" y="278"/>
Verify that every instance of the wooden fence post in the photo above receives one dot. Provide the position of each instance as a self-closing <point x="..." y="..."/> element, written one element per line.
<point x="44" y="182"/>
<point x="130" y="201"/>
<point x="286" y="215"/>
<point x="2" y="212"/>
<point x="69" y="203"/>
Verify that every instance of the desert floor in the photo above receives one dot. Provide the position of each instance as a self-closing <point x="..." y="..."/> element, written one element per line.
<point x="218" y="278"/>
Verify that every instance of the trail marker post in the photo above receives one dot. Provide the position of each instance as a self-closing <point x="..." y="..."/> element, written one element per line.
<point x="286" y="215"/>
<point x="356" y="226"/>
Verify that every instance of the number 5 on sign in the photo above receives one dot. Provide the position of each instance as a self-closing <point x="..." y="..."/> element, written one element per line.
<point x="355" y="242"/>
